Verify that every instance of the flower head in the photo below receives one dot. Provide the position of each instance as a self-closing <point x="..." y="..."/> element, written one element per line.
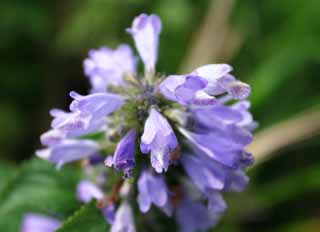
<point x="199" y="121"/>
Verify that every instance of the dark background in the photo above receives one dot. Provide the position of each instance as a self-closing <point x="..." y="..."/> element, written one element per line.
<point x="273" y="45"/>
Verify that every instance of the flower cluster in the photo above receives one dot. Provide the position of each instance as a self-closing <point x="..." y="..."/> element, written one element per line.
<point x="192" y="129"/>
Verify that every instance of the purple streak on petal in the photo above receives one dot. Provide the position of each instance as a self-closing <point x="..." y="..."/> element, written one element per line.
<point x="39" y="223"/>
<point x="124" y="221"/>
<point x="152" y="189"/>
<point x="106" y="66"/>
<point x="159" y="139"/>
<point x="145" y="31"/>
<point x="86" y="191"/>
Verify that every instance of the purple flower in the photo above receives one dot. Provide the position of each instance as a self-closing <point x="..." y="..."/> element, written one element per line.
<point x="105" y="66"/>
<point x="39" y="223"/>
<point x="52" y="137"/>
<point x="68" y="150"/>
<point x="211" y="176"/>
<point x="98" y="104"/>
<point x="205" y="174"/>
<point x="237" y="181"/>
<point x="228" y="146"/>
<point x="86" y="191"/>
<point x="72" y="124"/>
<point x="123" y="221"/>
<point x="246" y="120"/>
<point x="152" y="189"/>
<point x="123" y="158"/>
<point x="159" y="139"/>
<point x="208" y="109"/>
<point x="192" y="216"/>
<point x="109" y="213"/>
<point x="145" y="31"/>
<point x="216" y="204"/>
<point x="186" y="89"/>
<point x="220" y="81"/>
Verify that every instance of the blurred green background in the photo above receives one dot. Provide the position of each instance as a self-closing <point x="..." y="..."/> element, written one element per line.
<point x="273" y="45"/>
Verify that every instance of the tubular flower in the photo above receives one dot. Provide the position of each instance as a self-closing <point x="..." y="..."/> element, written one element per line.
<point x="39" y="223"/>
<point x="147" y="126"/>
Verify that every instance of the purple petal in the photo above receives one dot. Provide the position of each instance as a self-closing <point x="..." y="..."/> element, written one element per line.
<point x="216" y="204"/>
<point x="159" y="139"/>
<point x="86" y="191"/>
<point x="204" y="174"/>
<point x="123" y="158"/>
<point x="220" y="81"/>
<point x="123" y="221"/>
<point x="39" y="223"/>
<point x="69" y="150"/>
<point x="227" y="147"/>
<point x="109" y="213"/>
<point x="193" y="217"/>
<point x="144" y="199"/>
<point x="52" y="137"/>
<point x="109" y="161"/>
<point x="237" y="89"/>
<point x="75" y="124"/>
<point x="105" y="66"/>
<point x="147" y="184"/>
<point x="169" y="85"/>
<point x="212" y="73"/>
<point x="98" y="104"/>
<point x="145" y="31"/>
<point x="237" y="181"/>
<point x="186" y="89"/>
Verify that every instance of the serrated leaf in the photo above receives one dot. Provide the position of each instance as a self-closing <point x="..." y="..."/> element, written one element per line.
<point x="39" y="188"/>
<point x="87" y="219"/>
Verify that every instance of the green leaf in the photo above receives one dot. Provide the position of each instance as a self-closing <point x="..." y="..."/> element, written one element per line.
<point x="7" y="171"/>
<point x="39" y="188"/>
<point x="87" y="219"/>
